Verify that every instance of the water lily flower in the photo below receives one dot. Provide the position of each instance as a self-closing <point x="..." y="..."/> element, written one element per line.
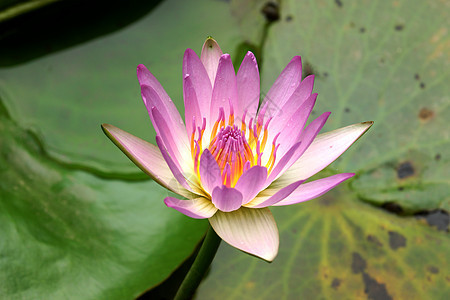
<point x="230" y="160"/>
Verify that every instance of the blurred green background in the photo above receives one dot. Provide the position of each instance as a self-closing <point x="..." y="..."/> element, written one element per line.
<point x="80" y="221"/>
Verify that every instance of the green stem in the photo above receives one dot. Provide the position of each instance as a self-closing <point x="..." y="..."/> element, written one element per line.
<point x="201" y="264"/>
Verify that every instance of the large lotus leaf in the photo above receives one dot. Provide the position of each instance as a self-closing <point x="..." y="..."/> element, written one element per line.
<point x="68" y="234"/>
<point x="382" y="61"/>
<point x="373" y="60"/>
<point x="337" y="248"/>
<point x="66" y="95"/>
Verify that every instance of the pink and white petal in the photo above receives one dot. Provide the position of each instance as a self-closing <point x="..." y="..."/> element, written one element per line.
<point x="180" y="154"/>
<point x="173" y="166"/>
<point x="192" y="110"/>
<point x="226" y="199"/>
<point x="283" y="88"/>
<point x="248" y="87"/>
<point x="306" y="137"/>
<point x="198" y="208"/>
<point x="147" y="157"/>
<point x="193" y="67"/>
<point x="157" y="96"/>
<point x="210" y="56"/>
<point x="152" y="99"/>
<point x="289" y="135"/>
<point x="323" y="151"/>
<point x="282" y="163"/>
<point x="225" y="89"/>
<point x="301" y="94"/>
<point x="314" y="189"/>
<point x="251" y="230"/>
<point x="209" y="172"/>
<point x="251" y="183"/>
<point x="281" y="194"/>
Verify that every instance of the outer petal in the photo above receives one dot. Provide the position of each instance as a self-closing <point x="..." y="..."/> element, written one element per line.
<point x="225" y="89"/>
<point x="179" y="153"/>
<point x="314" y="189"/>
<point x="282" y="89"/>
<point x="209" y="171"/>
<point x="294" y="126"/>
<point x="248" y="85"/>
<point x="323" y="151"/>
<point x="226" y="199"/>
<point x="306" y="138"/>
<point x="147" y="157"/>
<point x="191" y="109"/>
<point x="251" y="182"/>
<point x="251" y="230"/>
<point x="176" y="171"/>
<point x="198" y="208"/>
<point x="281" y="194"/>
<point x="210" y="56"/>
<point x="159" y="98"/>
<point x="193" y="67"/>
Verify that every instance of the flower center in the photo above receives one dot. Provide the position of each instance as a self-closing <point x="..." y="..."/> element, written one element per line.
<point x="234" y="148"/>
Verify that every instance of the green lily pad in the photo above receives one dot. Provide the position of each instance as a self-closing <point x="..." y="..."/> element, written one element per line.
<point x="337" y="247"/>
<point x="68" y="234"/>
<point x="65" y="96"/>
<point x="377" y="61"/>
<point x="382" y="61"/>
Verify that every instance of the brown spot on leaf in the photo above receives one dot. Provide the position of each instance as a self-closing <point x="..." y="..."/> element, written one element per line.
<point x="373" y="239"/>
<point x="392" y="207"/>
<point x="426" y="114"/>
<point x="347" y="110"/>
<point x="437" y="157"/>
<point x="438" y="218"/>
<point x="405" y="169"/>
<point x="375" y="290"/>
<point x="399" y="27"/>
<point x="289" y="18"/>
<point x="396" y="240"/>
<point x="271" y="11"/>
<point x="416" y="76"/>
<point x="338" y="3"/>
<point x="307" y="69"/>
<point x="422" y="85"/>
<point x="362" y="29"/>
<point x="433" y="269"/>
<point x="336" y="283"/>
<point x="358" y="263"/>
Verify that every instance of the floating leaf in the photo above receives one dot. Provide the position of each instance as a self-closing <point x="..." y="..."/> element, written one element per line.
<point x="69" y="234"/>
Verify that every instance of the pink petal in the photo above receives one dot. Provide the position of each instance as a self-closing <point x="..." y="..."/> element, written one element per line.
<point x="323" y="151"/>
<point x="146" y="156"/>
<point x="191" y="109"/>
<point x="193" y="67"/>
<point x="209" y="171"/>
<point x="226" y="199"/>
<point x="277" y="197"/>
<point x="176" y="171"/>
<point x="289" y="109"/>
<point x="283" y="88"/>
<point x="248" y="85"/>
<point x="177" y="151"/>
<point x="294" y="126"/>
<point x="251" y="182"/>
<point x="198" y="208"/>
<point x="251" y="230"/>
<point x="210" y="56"/>
<point x="159" y="98"/>
<point x="225" y="89"/>
<point x="306" y="138"/>
<point x="314" y="189"/>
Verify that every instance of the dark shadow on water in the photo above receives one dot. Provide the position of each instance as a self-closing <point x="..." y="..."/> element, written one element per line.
<point x="63" y="24"/>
